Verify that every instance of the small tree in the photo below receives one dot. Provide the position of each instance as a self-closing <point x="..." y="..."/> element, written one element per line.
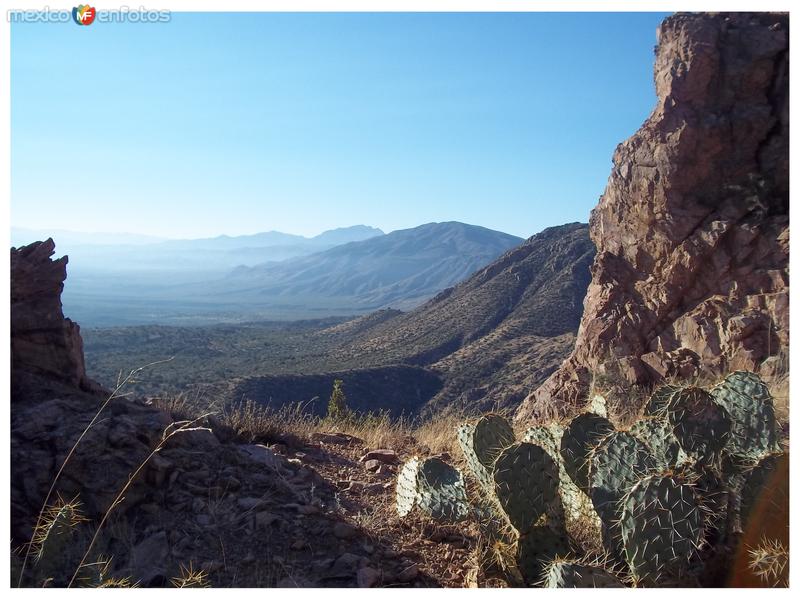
<point x="337" y="405"/>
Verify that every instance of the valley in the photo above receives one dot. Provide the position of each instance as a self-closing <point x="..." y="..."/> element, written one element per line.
<point x="483" y="343"/>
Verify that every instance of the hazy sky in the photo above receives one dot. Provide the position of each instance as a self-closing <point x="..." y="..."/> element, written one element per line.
<point x="238" y="123"/>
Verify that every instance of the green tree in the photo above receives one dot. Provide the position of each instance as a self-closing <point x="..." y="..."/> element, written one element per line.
<point x="337" y="405"/>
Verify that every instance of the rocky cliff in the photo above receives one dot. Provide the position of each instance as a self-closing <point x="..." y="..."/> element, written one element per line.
<point x="692" y="231"/>
<point x="43" y="341"/>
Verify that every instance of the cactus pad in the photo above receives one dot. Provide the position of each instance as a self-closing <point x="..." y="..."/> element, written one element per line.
<point x="526" y="485"/>
<point x="616" y="464"/>
<point x="701" y="427"/>
<point x="481" y="473"/>
<point x="662" y="526"/>
<point x="576" y="574"/>
<point x="545" y="436"/>
<point x="492" y="434"/>
<point x="441" y="492"/>
<point x="659" y="400"/>
<point x="583" y="433"/>
<point x="406" y="489"/>
<point x="656" y="433"/>
<point x="537" y="548"/>
<point x="748" y="402"/>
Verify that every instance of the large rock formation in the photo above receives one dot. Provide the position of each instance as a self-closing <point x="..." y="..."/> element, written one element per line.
<point x="43" y="342"/>
<point x="692" y="232"/>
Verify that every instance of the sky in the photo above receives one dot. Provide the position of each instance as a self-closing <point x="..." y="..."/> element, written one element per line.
<point x="217" y="123"/>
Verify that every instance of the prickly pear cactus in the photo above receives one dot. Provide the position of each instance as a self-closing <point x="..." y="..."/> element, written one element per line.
<point x="562" y="573"/>
<point x="580" y="437"/>
<point x="546" y="436"/>
<point x="51" y="543"/>
<point x="617" y="463"/>
<point x="576" y="504"/>
<point x="748" y="402"/>
<point x="526" y="485"/>
<point x="481" y="443"/>
<point x="659" y="400"/>
<point x="662" y="527"/>
<point x="701" y="426"/>
<point x="482" y="474"/>
<point x="537" y="548"/>
<point x="441" y="492"/>
<point x="406" y="488"/>
<point x="713" y="495"/>
<point x="492" y="434"/>
<point x="656" y="433"/>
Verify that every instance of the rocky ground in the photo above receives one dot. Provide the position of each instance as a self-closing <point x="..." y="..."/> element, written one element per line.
<point x="314" y="513"/>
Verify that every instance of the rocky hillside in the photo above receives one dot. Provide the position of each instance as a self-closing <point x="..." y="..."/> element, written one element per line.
<point x="254" y="508"/>
<point x="493" y="337"/>
<point x="692" y="232"/>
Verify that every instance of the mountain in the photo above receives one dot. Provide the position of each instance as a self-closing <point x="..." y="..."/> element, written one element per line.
<point x="496" y="335"/>
<point x="111" y="253"/>
<point x="402" y="268"/>
<point x="270" y="239"/>
<point x="691" y="276"/>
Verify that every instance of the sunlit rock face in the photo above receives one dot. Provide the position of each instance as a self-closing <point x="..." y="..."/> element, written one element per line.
<point x="692" y="231"/>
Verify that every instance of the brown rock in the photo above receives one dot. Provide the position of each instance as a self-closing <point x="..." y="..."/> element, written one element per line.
<point x="372" y="465"/>
<point x="408" y="574"/>
<point x="368" y="577"/>
<point x="42" y="340"/>
<point x="148" y="556"/>
<point x="691" y="271"/>
<point x="342" y="439"/>
<point x="344" y="531"/>
<point x="383" y="455"/>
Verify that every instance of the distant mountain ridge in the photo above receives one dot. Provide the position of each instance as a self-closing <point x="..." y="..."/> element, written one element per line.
<point x="159" y="283"/>
<point x="112" y="252"/>
<point x="402" y="268"/>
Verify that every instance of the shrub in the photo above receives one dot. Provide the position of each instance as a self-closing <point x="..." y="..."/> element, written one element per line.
<point x="337" y="405"/>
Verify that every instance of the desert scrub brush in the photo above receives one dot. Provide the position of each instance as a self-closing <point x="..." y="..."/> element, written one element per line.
<point x="191" y="578"/>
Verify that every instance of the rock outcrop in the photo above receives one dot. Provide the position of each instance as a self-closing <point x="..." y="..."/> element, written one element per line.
<point x="43" y="342"/>
<point x="692" y="232"/>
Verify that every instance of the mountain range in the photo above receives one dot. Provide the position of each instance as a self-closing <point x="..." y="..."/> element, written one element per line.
<point x="130" y="253"/>
<point x="401" y="269"/>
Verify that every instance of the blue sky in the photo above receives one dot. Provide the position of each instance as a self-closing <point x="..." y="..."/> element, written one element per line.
<point x="238" y="123"/>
